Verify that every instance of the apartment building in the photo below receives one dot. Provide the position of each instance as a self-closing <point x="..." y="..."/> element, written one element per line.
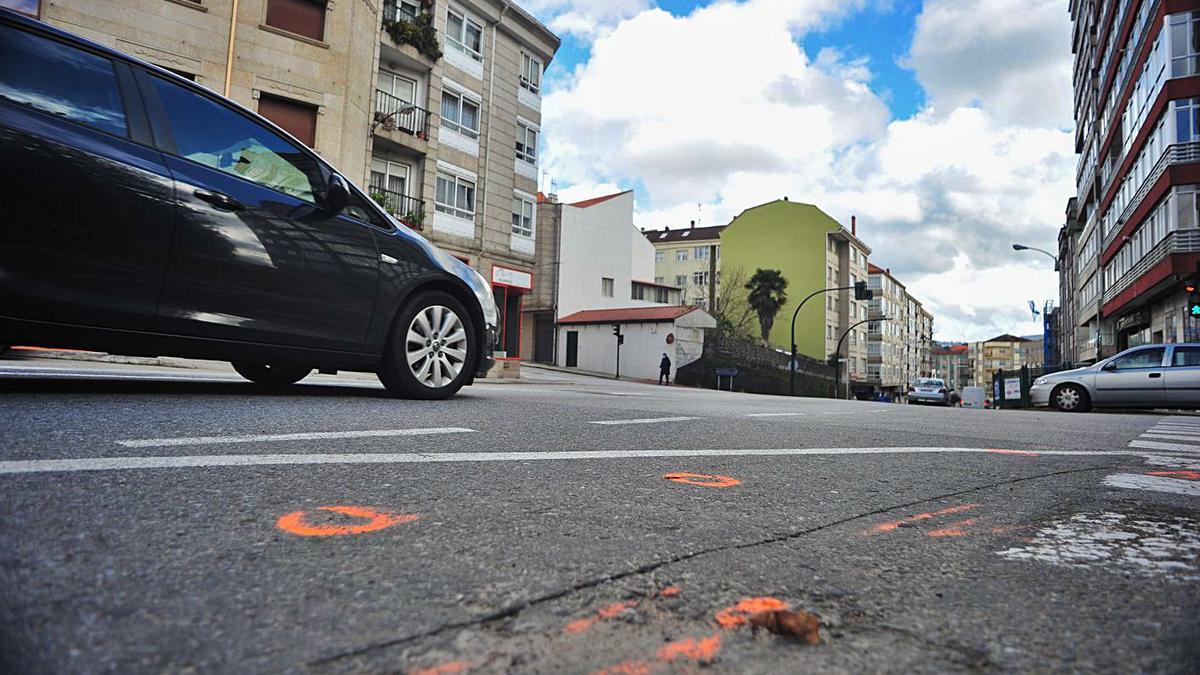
<point x="1132" y="234"/>
<point x="813" y="251"/>
<point x="689" y="259"/>
<point x="437" y="113"/>
<point x="900" y="335"/>
<point x="1003" y="352"/>
<point x="952" y="363"/>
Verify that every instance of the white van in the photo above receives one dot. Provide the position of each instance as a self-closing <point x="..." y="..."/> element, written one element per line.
<point x="973" y="397"/>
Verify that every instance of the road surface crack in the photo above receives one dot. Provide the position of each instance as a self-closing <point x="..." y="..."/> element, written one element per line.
<point x="515" y="609"/>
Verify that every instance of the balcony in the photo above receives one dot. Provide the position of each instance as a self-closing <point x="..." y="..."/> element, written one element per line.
<point x="1179" y="241"/>
<point x="1180" y="153"/>
<point x="411" y="30"/>
<point x="393" y="113"/>
<point x="406" y="209"/>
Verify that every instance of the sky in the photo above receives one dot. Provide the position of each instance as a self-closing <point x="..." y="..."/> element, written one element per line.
<point x="945" y="126"/>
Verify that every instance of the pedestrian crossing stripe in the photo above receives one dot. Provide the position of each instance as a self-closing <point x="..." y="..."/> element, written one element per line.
<point x="1137" y="481"/>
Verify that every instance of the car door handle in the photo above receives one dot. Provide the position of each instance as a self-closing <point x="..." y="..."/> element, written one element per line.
<point x="219" y="200"/>
<point x="1153" y="375"/>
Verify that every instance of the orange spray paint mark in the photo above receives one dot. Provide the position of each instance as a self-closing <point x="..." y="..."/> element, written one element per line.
<point x="952" y="530"/>
<point x="450" y="668"/>
<point x="294" y="522"/>
<point x="732" y="617"/>
<point x="669" y="592"/>
<point x="888" y="527"/>
<point x="627" y="668"/>
<point x="703" y="650"/>
<point x="702" y="480"/>
<point x="603" y="613"/>
<point x="1186" y="475"/>
<point x="1023" y="453"/>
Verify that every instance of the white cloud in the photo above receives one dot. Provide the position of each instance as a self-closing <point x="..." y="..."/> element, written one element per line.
<point x="722" y="110"/>
<point x="585" y="18"/>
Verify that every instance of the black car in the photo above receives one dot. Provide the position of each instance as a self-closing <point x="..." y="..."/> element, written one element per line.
<point x="146" y="215"/>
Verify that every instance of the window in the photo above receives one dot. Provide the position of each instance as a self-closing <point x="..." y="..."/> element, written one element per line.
<point x="680" y="280"/>
<point x="29" y="7"/>
<point x="527" y="143"/>
<point x="60" y="80"/>
<point x="828" y="332"/>
<point x="681" y="255"/>
<point x="700" y="253"/>
<point x="390" y="176"/>
<point x="401" y="10"/>
<point x="522" y="217"/>
<point x="1146" y="358"/>
<point x="208" y="133"/>
<point x="1186" y="357"/>
<point x="659" y="256"/>
<point x="302" y="17"/>
<point x="455" y="196"/>
<point x="606" y="287"/>
<point x="531" y="73"/>
<point x="460" y="113"/>
<point x="1185" y="44"/>
<point x="464" y="34"/>
<point x="699" y="278"/>
<point x="298" y="119"/>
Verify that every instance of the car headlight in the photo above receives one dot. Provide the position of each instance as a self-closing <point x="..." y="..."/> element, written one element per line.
<point x="483" y="292"/>
<point x="1040" y="381"/>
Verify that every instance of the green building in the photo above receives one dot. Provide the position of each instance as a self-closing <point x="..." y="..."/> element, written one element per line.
<point x="813" y="251"/>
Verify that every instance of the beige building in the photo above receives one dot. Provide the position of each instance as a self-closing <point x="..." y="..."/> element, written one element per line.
<point x="901" y="348"/>
<point x="1003" y="352"/>
<point x="846" y="265"/>
<point x="438" y="115"/>
<point x="686" y="258"/>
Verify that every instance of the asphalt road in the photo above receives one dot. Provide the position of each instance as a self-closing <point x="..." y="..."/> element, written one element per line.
<point x="173" y="520"/>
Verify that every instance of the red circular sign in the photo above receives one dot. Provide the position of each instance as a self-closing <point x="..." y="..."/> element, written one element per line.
<point x="670" y="338"/>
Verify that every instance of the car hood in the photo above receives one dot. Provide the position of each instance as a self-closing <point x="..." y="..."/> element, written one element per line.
<point x="1069" y="373"/>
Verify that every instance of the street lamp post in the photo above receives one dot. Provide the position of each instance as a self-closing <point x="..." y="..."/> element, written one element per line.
<point x="792" y="382"/>
<point x="1023" y="247"/>
<point x="837" y="354"/>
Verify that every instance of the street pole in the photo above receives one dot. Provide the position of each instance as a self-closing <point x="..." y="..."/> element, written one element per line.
<point x="1023" y="247"/>
<point x="837" y="354"/>
<point x="792" y="382"/>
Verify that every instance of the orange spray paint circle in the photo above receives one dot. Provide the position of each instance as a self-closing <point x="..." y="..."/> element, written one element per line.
<point x="702" y="480"/>
<point x="732" y="617"/>
<point x="295" y="523"/>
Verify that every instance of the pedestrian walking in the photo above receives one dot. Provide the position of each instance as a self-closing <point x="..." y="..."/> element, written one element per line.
<point x="664" y="370"/>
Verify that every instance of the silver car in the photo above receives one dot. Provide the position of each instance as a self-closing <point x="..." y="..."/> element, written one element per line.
<point x="929" y="390"/>
<point x="1150" y="376"/>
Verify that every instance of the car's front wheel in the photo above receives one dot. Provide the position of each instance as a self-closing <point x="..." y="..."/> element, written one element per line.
<point x="1071" y="398"/>
<point x="271" y="373"/>
<point x="432" y="348"/>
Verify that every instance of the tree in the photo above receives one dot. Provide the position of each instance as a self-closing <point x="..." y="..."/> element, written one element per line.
<point x="768" y="293"/>
<point x="735" y="318"/>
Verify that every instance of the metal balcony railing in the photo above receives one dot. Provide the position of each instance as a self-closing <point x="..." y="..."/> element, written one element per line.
<point x="406" y="209"/>
<point x="1179" y="241"/>
<point x="1180" y="153"/>
<point x="394" y="113"/>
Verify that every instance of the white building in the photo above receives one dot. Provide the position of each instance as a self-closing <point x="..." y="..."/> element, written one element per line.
<point x="588" y="341"/>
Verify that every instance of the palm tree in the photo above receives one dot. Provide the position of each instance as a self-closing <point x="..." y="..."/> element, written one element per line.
<point x="768" y="293"/>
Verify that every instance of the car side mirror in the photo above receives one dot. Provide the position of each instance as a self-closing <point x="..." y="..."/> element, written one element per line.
<point x="1110" y="366"/>
<point x="337" y="194"/>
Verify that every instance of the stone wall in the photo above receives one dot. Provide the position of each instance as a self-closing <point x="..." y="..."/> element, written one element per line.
<point x="760" y="370"/>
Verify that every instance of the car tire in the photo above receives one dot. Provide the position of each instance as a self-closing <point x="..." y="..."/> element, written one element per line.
<point x="272" y="374"/>
<point x="1070" y="398"/>
<point x="431" y="352"/>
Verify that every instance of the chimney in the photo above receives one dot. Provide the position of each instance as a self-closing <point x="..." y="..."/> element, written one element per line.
<point x="854" y="225"/>
<point x="693" y="224"/>
<point x="785" y="198"/>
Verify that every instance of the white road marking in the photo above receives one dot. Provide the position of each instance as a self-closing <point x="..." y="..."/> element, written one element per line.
<point x="788" y="414"/>
<point x="1171" y="436"/>
<point x="196" y="461"/>
<point x="1137" y="481"/>
<point x="311" y="436"/>
<point x="1182" y="462"/>
<point x="650" y="420"/>
<point x="1157" y="445"/>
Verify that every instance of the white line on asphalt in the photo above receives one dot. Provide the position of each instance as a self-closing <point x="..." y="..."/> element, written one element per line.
<point x="1171" y="436"/>
<point x="650" y="420"/>
<point x="1137" y="481"/>
<point x="311" y="436"/>
<point x="790" y="414"/>
<point x="195" y="461"/>
<point x="1156" y="445"/>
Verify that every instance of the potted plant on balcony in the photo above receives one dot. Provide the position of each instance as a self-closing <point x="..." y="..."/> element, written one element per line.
<point x="414" y="219"/>
<point x="419" y="32"/>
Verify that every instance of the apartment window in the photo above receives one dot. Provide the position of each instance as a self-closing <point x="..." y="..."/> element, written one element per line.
<point x="531" y="73"/>
<point x="680" y="280"/>
<point x="29" y="7"/>
<point x="828" y="302"/>
<point x="527" y="143"/>
<point x="606" y="287"/>
<point x="699" y="278"/>
<point x="522" y="217"/>
<point x="464" y="33"/>
<point x="700" y="252"/>
<point x="828" y="332"/>
<point x="302" y="17"/>
<point x="460" y="113"/>
<point x="659" y="256"/>
<point x="390" y="176"/>
<point x="401" y="10"/>
<point x="681" y="255"/>
<point x="829" y="272"/>
<point x="298" y="119"/>
<point x="1185" y="44"/>
<point x="455" y="196"/>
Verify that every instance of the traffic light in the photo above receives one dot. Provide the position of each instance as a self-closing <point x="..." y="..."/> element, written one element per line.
<point x="861" y="292"/>
<point x="617" y="329"/>
<point x="1193" y="289"/>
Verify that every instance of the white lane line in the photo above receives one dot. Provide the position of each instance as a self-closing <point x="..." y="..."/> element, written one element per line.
<point x="196" y="461"/>
<point x="1157" y="445"/>
<point x="311" y="436"/>
<point x="1171" y="436"/>
<point x="650" y="420"/>
<point x="1137" y="481"/>
<point x="788" y="414"/>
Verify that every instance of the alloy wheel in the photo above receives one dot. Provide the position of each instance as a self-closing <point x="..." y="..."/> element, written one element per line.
<point x="1067" y="398"/>
<point x="436" y="346"/>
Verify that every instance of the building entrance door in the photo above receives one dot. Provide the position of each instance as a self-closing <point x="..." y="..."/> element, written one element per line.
<point x="572" y="348"/>
<point x="543" y="338"/>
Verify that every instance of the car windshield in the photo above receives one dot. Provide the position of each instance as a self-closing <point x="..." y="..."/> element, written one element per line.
<point x="928" y="382"/>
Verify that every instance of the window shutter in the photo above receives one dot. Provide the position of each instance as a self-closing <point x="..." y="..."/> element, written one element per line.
<point x="302" y="17"/>
<point x="298" y="119"/>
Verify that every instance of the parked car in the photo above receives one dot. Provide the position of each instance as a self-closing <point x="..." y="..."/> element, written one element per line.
<point x="1150" y="376"/>
<point x="929" y="390"/>
<point x="146" y="215"/>
<point x="974" y="397"/>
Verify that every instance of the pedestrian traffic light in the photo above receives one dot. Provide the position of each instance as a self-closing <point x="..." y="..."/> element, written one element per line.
<point x="617" y="329"/>
<point x="1193" y="289"/>
<point x="861" y="292"/>
<point x="620" y="339"/>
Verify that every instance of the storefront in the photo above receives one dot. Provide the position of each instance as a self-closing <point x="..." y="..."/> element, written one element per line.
<point x="509" y="287"/>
